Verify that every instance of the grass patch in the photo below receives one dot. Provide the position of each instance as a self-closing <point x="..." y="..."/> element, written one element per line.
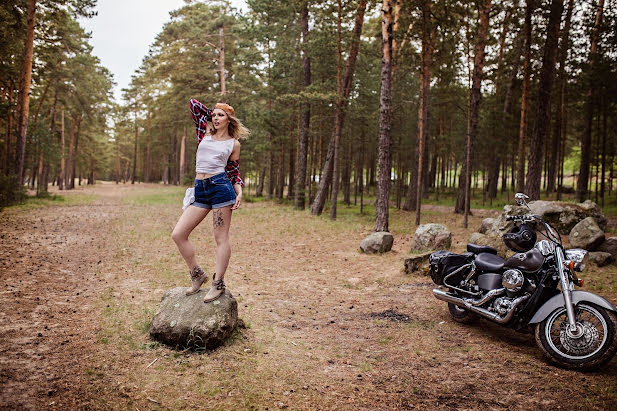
<point x="54" y="200"/>
<point x="166" y="195"/>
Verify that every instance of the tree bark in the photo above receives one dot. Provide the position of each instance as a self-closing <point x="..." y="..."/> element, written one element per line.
<point x="583" y="178"/>
<point x="135" y="151"/>
<point x="6" y="153"/>
<point x="326" y="177"/>
<point x="542" y="120"/>
<point x="498" y="142"/>
<point x="561" y="89"/>
<point x="62" y="159"/>
<point x="222" y="62"/>
<point x="306" y="112"/>
<point x="522" y="138"/>
<point x="385" y="100"/>
<point x="423" y="112"/>
<point x="463" y="197"/>
<point x="69" y="157"/>
<point x="148" y="149"/>
<point x="24" y="95"/>
<point x="337" y="137"/>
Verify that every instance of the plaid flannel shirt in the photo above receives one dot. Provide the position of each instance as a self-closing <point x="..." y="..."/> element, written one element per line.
<point x="201" y="115"/>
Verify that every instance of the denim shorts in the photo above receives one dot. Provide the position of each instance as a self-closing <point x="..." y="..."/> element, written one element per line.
<point x="214" y="192"/>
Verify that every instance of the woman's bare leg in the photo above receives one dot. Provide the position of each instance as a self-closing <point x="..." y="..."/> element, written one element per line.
<point x="190" y="218"/>
<point x="221" y="220"/>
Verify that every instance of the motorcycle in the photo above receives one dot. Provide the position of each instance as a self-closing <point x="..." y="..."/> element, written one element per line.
<point x="532" y="291"/>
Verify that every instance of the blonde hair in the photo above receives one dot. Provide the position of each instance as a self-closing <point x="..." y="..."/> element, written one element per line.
<point x="235" y="128"/>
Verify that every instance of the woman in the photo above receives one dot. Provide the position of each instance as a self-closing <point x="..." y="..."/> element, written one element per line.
<point x="218" y="187"/>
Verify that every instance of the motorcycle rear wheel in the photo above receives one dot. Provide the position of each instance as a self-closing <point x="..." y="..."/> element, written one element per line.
<point x="593" y="349"/>
<point x="461" y="315"/>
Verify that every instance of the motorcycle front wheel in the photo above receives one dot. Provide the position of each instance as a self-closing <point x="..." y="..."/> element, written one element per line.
<point x="592" y="345"/>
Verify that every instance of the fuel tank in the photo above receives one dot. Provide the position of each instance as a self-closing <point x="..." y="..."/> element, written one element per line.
<point x="529" y="261"/>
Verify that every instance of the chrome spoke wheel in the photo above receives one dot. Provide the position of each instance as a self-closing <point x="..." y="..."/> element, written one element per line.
<point x="583" y="342"/>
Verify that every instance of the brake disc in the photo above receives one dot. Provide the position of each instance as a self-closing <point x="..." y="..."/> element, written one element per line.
<point x="584" y="344"/>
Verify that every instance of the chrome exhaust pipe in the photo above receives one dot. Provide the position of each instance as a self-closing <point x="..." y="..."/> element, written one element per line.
<point x="468" y="304"/>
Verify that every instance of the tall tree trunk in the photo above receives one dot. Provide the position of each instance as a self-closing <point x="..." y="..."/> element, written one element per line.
<point x="75" y="153"/>
<point x="522" y="138"/>
<point x="62" y="159"/>
<point x="24" y="95"/>
<point x="561" y="89"/>
<point x="603" y="152"/>
<point x="463" y="197"/>
<point x="499" y="142"/>
<point x="118" y="172"/>
<point x="326" y="177"/>
<point x="385" y="116"/>
<point x="148" y="149"/>
<point x="280" y="173"/>
<point x="182" y="156"/>
<point x="69" y="157"/>
<point x="542" y="120"/>
<point x="583" y="178"/>
<point x="423" y="112"/>
<point x="6" y="152"/>
<point x="292" y="166"/>
<point x="337" y="137"/>
<point x="135" y="151"/>
<point x="507" y="115"/>
<point x="306" y="112"/>
<point x="222" y="62"/>
<point x="260" y="186"/>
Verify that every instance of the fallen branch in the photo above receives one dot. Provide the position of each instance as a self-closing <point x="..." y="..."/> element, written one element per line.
<point x="155" y="360"/>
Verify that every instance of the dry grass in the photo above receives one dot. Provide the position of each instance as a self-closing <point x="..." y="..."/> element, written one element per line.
<point x="327" y="326"/>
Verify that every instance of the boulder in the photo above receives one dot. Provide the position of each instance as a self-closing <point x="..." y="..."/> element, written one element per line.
<point x="609" y="246"/>
<point x="187" y="322"/>
<point x="493" y="240"/>
<point x="431" y="237"/>
<point x="564" y="216"/>
<point x="586" y="234"/>
<point x="379" y="242"/>
<point x="416" y="262"/>
<point x="600" y="258"/>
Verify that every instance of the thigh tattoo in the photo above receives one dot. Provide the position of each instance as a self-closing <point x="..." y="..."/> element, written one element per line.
<point x="217" y="219"/>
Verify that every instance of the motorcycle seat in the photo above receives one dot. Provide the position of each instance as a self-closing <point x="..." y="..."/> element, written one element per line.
<point x="477" y="249"/>
<point x="489" y="262"/>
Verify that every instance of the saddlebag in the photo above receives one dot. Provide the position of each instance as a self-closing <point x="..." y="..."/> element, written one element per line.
<point x="445" y="262"/>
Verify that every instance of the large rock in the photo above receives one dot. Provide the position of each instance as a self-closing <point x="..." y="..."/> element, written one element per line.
<point x="431" y="237"/>
<point x="586" y="234"/>
<point x="609" y="246"/>
<point x="492" y="240"/>
<point x="379" y="242"/>
<point x="417" y="262"/>
<point x="188" y="322"/>
<point x="564" y="216"/>
<point x="600" y="258"/>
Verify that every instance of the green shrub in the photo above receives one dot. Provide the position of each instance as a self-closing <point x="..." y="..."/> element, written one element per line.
<point x="10" y="193"/>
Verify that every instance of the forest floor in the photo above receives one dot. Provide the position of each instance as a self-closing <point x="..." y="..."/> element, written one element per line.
<point x="327" y="327"/>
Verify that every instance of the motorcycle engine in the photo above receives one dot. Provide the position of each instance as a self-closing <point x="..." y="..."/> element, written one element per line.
<point x="512" y="281"/>
<point x="502" y="305"/>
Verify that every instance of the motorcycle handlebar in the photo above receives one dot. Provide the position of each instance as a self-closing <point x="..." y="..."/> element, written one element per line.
<point x="525" y="217"/>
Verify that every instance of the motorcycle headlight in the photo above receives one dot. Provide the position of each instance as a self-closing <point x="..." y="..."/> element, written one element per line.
<point x="576" y="259"/>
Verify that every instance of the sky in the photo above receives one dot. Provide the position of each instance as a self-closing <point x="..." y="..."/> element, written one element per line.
<point x="123" y="31"/>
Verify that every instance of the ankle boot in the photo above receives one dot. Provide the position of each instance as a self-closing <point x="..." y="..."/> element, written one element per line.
<point x="216" y="289"/>
<point x="198" y="276"/>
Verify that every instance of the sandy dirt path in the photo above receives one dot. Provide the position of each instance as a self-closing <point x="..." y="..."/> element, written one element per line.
<point x="327" y="327"/>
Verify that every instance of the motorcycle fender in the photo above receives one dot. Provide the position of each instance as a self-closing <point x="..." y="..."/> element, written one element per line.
<point x="557" y="301"/>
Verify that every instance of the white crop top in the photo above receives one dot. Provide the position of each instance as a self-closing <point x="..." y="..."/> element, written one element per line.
<point x="212" y="155"/>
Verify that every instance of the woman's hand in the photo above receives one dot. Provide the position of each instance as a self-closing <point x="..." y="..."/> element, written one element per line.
<point x="238" y="190"/>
